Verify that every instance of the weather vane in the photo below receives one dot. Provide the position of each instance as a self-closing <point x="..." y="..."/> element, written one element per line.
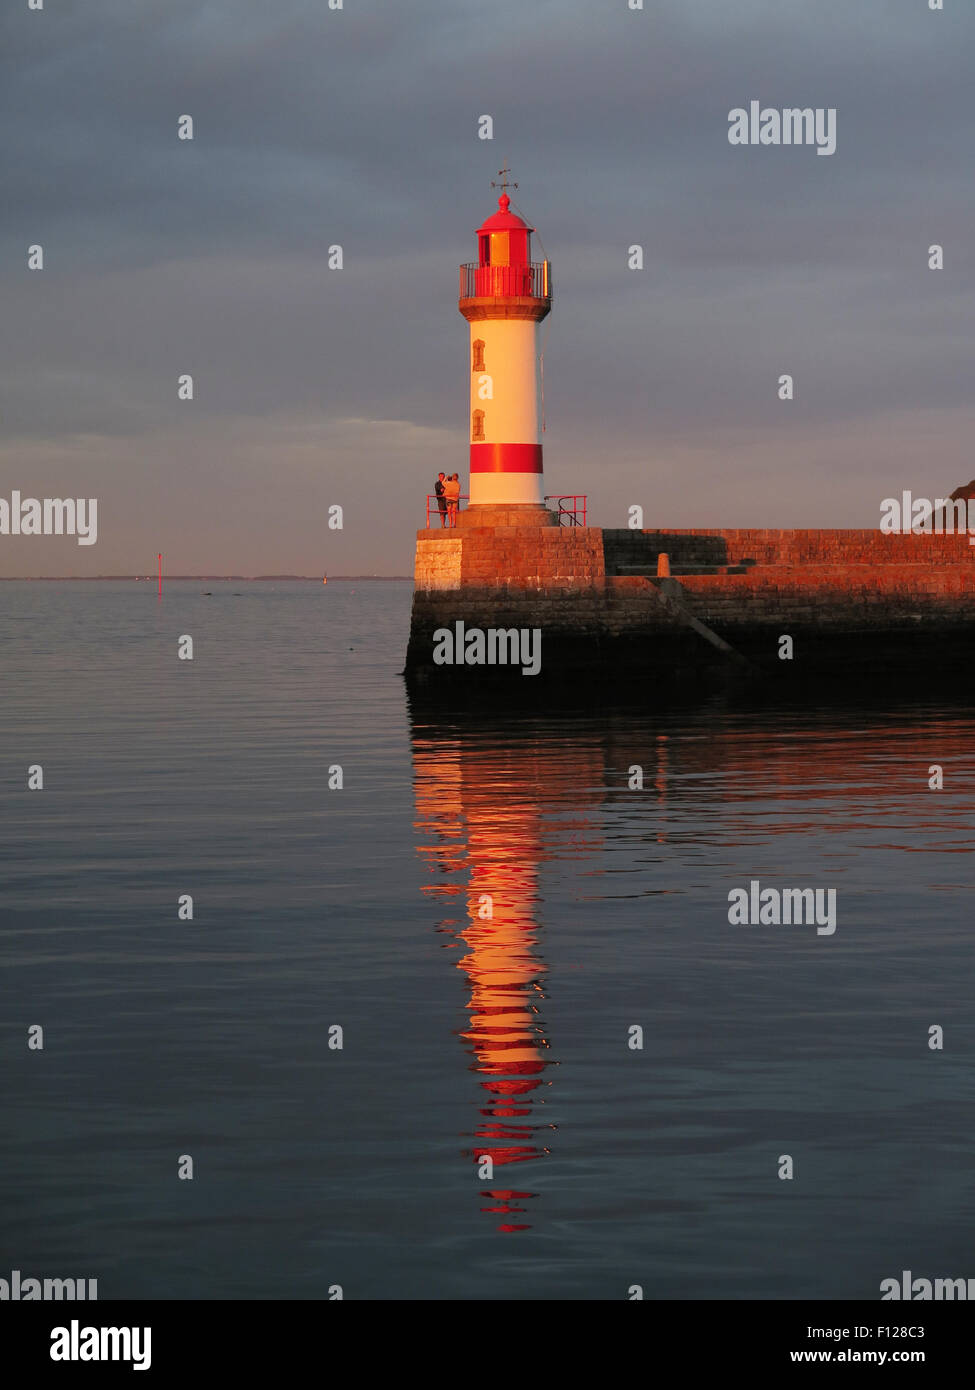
<point x="505" y="183"/>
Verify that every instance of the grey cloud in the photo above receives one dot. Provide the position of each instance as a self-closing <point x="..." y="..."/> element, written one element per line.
<point x="358" y="127"/>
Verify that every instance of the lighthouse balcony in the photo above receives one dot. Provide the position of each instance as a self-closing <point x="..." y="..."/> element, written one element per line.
<point x="506" y="291"/>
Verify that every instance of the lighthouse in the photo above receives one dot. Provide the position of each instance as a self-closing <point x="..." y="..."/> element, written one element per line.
<point x="504" y="296"/>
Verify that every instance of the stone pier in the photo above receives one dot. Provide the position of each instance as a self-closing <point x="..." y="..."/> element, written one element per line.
<point x="859" y="607"/>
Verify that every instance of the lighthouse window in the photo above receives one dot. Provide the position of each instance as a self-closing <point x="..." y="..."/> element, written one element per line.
<point x="477" y="365"/>
<point x="477" y="425"/>
<point x="500" y="250"/>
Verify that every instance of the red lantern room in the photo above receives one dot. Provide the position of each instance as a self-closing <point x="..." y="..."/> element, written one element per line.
<point x="504" y="239"/>
<point x="503" y="269"/>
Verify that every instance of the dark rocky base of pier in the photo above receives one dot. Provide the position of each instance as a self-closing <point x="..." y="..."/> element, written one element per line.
<point x="862" y="612"/>
<point x="585" y="669"/>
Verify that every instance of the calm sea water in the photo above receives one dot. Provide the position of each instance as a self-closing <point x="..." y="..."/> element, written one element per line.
<point x="465" y="1034"/>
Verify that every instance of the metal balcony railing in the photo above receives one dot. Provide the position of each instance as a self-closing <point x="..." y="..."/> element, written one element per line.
<point x="434" y="509"/>
<point x="574" y="514"/>
<point x="571" y="508"/>
<point x="532" y="281"/>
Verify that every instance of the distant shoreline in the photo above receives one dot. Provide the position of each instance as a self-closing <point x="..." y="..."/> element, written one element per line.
<point x="210" y="578"/>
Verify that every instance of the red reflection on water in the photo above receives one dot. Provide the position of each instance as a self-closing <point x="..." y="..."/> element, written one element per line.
<point x="478" y="815"/>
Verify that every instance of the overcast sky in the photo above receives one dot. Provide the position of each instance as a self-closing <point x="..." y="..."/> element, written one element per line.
<point x="360" y="127"/>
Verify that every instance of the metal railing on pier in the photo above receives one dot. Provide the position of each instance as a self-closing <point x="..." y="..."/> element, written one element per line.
<point x="574" y="515"/>
<point x="439" y="508"/>
<point x="571" y="508"/>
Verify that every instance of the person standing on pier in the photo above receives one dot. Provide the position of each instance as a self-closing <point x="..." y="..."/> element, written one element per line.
<point x="438" y="488"/>
<point x="452" y="492"/>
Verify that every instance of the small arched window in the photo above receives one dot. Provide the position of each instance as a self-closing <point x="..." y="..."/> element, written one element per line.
<point x="477" y="362"/>
<point x="477" y="425"/>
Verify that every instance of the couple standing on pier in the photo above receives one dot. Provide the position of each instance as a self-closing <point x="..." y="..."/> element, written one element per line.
<point x="448" y="497"/>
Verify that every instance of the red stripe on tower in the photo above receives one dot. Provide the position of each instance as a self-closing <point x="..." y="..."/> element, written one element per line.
<point x="506" y="458"/>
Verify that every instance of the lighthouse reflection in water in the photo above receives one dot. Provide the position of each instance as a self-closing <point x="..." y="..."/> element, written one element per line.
<point x="480" y="830"/>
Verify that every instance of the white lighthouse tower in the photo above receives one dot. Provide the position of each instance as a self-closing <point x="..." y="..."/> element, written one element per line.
<point x="504" y="296"/>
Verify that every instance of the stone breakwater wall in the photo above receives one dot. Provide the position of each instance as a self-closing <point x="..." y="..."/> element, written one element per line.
<point x="856" y="604"/>
<point x="782" y="547"/>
